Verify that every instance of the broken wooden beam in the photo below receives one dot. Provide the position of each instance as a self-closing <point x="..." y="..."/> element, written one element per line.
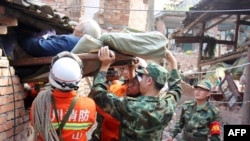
<point x="244" y="22"/>
<point x="8" y="21"/>
<point x="223" y="58"/>
<point x="198" y="40"/>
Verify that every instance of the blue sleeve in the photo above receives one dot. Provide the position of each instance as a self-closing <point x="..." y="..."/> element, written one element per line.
<point x="57" y="43"/>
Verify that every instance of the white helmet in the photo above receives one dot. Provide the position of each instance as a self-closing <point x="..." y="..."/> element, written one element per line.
<point x="66" y="71"/>
<point x="142" y="62"/>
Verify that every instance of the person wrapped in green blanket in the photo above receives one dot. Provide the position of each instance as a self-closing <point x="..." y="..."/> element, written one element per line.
<point x="147" y="45"/>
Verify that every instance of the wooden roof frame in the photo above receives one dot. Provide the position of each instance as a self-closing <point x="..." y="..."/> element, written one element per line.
<point x="34" y="18"/>
<point x="199" y="19"/>
<point x="13" y="14"/>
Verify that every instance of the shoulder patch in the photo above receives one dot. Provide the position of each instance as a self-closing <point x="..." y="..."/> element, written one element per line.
<point x="214" y="109"/>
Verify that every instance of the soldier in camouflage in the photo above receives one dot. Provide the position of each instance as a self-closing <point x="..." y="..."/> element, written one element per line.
<point x="199" y="119"/>
<point x="142" y="118"/>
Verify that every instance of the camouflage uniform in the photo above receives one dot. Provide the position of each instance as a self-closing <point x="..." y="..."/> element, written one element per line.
<point x="195" y="122"/>
<point x="142" y="118"/>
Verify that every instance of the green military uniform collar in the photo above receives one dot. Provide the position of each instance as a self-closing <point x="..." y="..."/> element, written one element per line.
<point x="204" y="106"/>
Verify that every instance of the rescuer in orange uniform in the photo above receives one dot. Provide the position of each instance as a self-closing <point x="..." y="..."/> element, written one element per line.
<point x="119" y="87"/>
<point x="59" y="112"/>
<point x="108" y="126"/>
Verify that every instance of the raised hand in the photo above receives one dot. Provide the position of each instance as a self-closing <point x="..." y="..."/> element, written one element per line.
<point x="106" y="56"/>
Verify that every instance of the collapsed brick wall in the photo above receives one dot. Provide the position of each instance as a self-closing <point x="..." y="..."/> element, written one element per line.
<point x="112" y="16"/>
<point x="186" y="60"/>
<point x="112" y="13"/>
<point x="71" y="8"/>
<point x="121" y="13"/>
<point x="138" y="14"/>
<point x="14" y="119"/>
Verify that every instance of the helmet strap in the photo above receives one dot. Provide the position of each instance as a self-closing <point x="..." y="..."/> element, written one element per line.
<point x="71" y="86"/>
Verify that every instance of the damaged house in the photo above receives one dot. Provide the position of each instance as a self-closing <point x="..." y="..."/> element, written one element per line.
<point x="17" y="67"/>
<point x="18" y="17"/>
<point x="219" y="31"/>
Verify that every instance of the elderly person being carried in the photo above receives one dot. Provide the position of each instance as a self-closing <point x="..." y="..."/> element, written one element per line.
<point x="50" y="45"/>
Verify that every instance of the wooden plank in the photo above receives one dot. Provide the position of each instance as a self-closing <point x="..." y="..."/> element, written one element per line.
<point x="236" y="32"/>
<point x="225" y="42"/>
<point x="187" y="39"/>
<point x="244" y="22"/>
<point x="245" y="17"/>
<point x="47" y="60"/>
<point x="198" y="39"/>
<point x="216" y="23"/>
<point x="200" y="51"/>
<point x="3" y="30"/>
<point x="8" y="21"/>
<point x="120" y="60"/>
<point x="2" y="10"/>
<point x="246" y="96"/>
<point x="223" y="58"/>
<point x="37" y="21"/>
<point x="192" y="24"/>
<point x="189" y="26"/>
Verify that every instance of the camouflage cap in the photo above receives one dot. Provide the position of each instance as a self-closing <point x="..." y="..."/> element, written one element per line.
<point x="157" y="72"/>
<point x="204" y="84"/>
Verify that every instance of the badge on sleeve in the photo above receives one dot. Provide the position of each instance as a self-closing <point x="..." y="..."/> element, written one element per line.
<point x="215" y="128"/>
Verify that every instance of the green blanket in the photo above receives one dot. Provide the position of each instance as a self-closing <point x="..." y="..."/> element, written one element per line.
<point x="147" y="45"/>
